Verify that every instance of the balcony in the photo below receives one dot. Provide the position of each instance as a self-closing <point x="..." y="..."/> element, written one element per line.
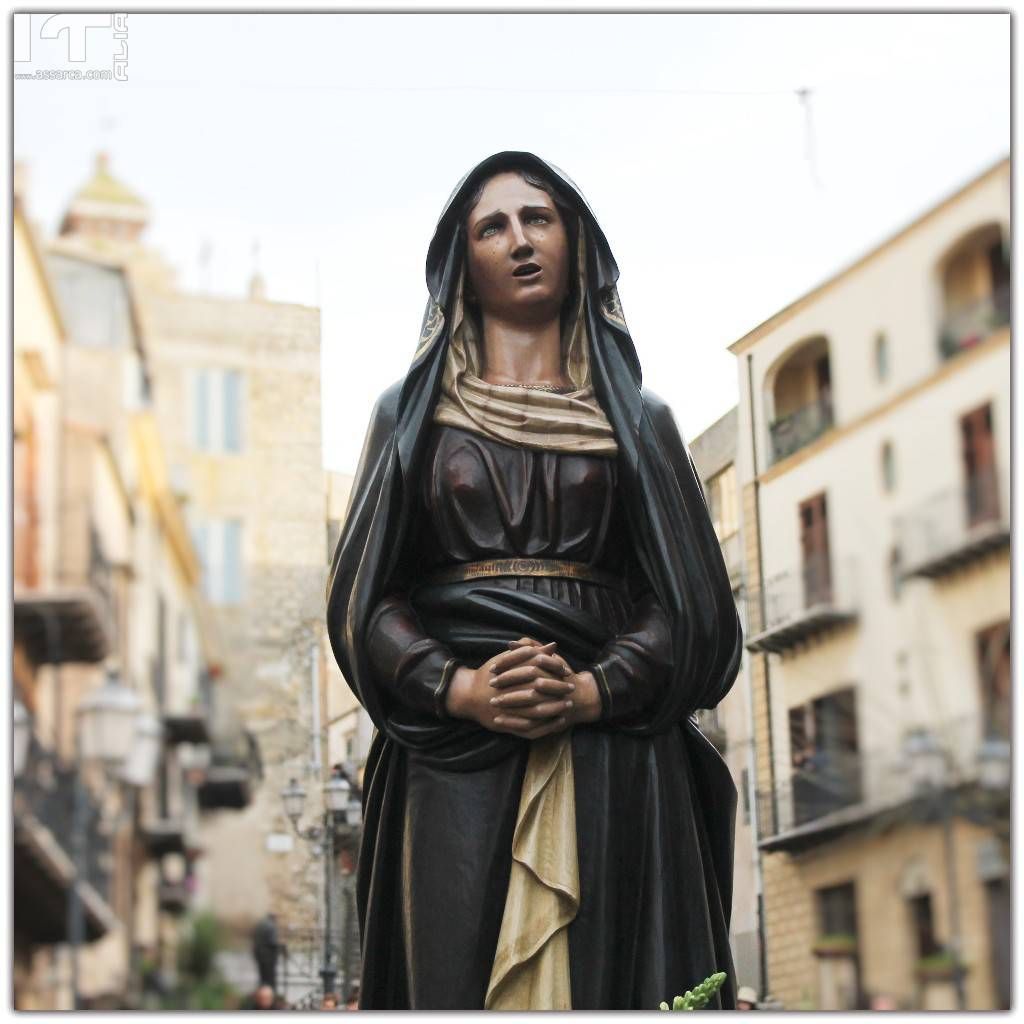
<point x="802" y="604"/>
<point x="186" y="727"/>
<point x="793" y="432"/>
<point x="970" y="325"/>
<point x="57" y="627"/>
<point x="953" y="529"/>
<point x="840" y="792"/>
<point x="164" y="835"/>
<point x="43" y="870"/>
<point x="233" y="773"/>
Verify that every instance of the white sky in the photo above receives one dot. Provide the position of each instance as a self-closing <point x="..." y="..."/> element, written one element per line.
<point x="335" y="139"/>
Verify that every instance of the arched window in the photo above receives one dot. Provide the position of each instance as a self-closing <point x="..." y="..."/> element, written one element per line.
<point x="888" y="468"/>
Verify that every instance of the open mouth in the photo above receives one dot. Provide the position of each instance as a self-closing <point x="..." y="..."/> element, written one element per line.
<point x="526" y="270"/>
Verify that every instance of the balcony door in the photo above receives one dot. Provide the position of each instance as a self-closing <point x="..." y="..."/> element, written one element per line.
<point x="817" y="571"/>
<point x="979" y="461"/>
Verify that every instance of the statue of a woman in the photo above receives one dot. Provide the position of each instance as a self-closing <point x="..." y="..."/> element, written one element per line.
<point x="529" y="599"/>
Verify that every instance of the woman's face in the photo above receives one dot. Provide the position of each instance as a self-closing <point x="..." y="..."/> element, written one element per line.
<point x="517" y="251"/>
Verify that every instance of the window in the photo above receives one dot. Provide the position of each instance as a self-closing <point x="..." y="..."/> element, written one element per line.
<point x="745" y="790"/>
<point x="888" y="468"/>
<point x="824" y="755"/>
<point x="837" y="910"/>
<point x="979" y="462"/>
<point x="923" y="925"/>
<point x="992" y="647"/>
<point x="881" y="356"/>
<point x="895" y="572"/>
<point x="219" y="543"/>
<point x="817" y="572"/>
<point x="722" y="501"/>
<point x="217" y="409"/>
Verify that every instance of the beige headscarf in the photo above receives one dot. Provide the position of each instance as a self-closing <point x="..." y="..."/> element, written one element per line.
<point x="566" y="422"/>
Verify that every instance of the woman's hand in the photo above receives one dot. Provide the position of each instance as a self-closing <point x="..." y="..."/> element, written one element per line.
<point x="525" y="687"/>
<point x="471" y="692"/>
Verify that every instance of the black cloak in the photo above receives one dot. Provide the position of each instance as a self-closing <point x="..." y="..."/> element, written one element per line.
<point x="674" y="542"/>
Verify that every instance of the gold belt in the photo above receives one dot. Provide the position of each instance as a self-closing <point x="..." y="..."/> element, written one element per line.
<point x="524" y="567"/>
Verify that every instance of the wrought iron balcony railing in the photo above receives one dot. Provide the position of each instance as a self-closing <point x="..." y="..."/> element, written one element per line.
<point x="954" y="527"/>
<point x="801" y="603"/>
<point x="965" y="327"/>
<point x="836" y="790"/>
<point x="46" y="792"/>
<point x="793" y="432"/>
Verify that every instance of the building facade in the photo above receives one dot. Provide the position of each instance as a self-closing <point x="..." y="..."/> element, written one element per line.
<point x="105" y="589"/>
<point x="729" y="726"/>
<point x="873" y="466"/>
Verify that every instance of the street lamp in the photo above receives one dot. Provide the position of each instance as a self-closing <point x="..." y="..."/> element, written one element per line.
<point x="321" y="838"/>
<point x="22" y="736"/>
<point x="294" y="798"/>
<point x="106" y="723"/>
<point x="114" y="730"/>
<point x="336" y="793"/>
<point x="930" y="768"/>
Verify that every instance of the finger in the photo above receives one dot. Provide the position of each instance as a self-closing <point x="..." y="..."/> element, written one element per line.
<point x="547" y="709"/>
<point x="553" y="687"/>
<point x="517" y="698"/>
<point x="553" y="664"/>
<point x="519" y="676"/>
<point x="508" y="659"/>
<point x="526" y="641"/>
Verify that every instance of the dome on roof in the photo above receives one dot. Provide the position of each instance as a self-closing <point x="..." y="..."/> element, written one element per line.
<point x="105" y="188"/>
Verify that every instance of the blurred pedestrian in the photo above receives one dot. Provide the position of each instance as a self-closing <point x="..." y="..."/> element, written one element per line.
<point x="353" y="997"/>
<point x="265" y="949"/>
<point x="746" y="998"/>
<point x="329" y="1001"/>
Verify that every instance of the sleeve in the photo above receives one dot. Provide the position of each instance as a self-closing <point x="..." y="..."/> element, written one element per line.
<point x="633" y="668"/>
<point x="414" y="669"/>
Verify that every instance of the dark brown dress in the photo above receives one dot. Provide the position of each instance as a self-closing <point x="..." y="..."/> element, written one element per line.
<point x="440" y="840"/>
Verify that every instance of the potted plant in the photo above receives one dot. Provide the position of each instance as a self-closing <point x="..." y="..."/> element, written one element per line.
<point x="835" y="944"/>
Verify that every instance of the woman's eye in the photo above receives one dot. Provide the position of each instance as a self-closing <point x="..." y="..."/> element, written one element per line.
<point x="540" y="218"/>
<point x="488" y="230"/>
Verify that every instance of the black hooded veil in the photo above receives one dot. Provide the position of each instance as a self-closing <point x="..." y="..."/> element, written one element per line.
<point x="676" y="851"/>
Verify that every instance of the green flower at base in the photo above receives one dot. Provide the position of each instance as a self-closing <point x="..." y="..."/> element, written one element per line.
<point x="697" y="998"/>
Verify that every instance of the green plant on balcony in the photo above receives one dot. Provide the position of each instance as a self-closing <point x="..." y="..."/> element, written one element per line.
<point x="835" y="944"/>
<point x="697" y="998"/>
<point x="940" y="966"/>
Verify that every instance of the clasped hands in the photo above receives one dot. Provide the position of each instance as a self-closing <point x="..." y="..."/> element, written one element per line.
<point x="528" y="691"/>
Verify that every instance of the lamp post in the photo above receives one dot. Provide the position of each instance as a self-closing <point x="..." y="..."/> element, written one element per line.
<point x="321" y="837"/>
<point x="113" y="730"/>
<point x="931" y="769"/>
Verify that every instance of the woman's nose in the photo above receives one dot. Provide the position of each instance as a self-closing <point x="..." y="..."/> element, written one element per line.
<point x="520" y="243"/>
